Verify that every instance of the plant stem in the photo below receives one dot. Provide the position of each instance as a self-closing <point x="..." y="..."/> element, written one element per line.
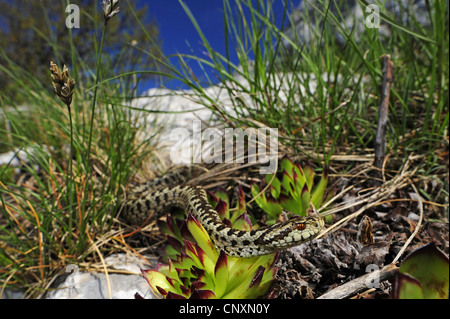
<point x="70" y="178"/>
<point x="84" y="219"/>
<point x="94" y="100"/>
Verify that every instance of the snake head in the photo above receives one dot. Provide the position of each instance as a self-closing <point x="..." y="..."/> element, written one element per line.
<point x="291" y="233"/>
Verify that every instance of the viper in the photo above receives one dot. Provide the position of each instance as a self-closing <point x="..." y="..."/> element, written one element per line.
<point x="169" y="191"/>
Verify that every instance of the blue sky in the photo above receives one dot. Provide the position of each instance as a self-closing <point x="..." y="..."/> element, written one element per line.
<point x="176" y="30"/>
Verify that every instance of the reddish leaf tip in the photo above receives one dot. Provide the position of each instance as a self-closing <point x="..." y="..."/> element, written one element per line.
<point x="222" y="261"/>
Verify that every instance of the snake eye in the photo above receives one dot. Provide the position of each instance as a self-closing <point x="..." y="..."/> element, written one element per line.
<point x="300" y="226"/>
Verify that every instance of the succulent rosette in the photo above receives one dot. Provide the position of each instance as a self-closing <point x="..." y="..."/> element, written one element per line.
<point x="291" y="189"/>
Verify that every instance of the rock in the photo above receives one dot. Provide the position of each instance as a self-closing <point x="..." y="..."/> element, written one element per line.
<point x="12" y="294"/>
<point x="402" y="11"/>
<point x="76" y="284"/>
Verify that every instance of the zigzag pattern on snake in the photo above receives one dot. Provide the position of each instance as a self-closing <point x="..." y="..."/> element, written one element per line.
<point x="156" y="196"/>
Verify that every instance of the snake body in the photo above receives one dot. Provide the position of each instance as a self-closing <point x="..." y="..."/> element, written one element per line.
<point x="156" y="196"/>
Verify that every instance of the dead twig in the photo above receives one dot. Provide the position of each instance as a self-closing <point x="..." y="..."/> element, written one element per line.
<point x="369" y="280"/>
<point x="380" y="140"/>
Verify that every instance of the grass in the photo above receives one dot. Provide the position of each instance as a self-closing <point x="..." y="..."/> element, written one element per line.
<point x="53" y="218"/>
<point x="323" y="97"/>
<point x="342" y="72"/>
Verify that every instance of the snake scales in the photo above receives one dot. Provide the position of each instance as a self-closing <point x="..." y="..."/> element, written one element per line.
<point x="157" y="195"/>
